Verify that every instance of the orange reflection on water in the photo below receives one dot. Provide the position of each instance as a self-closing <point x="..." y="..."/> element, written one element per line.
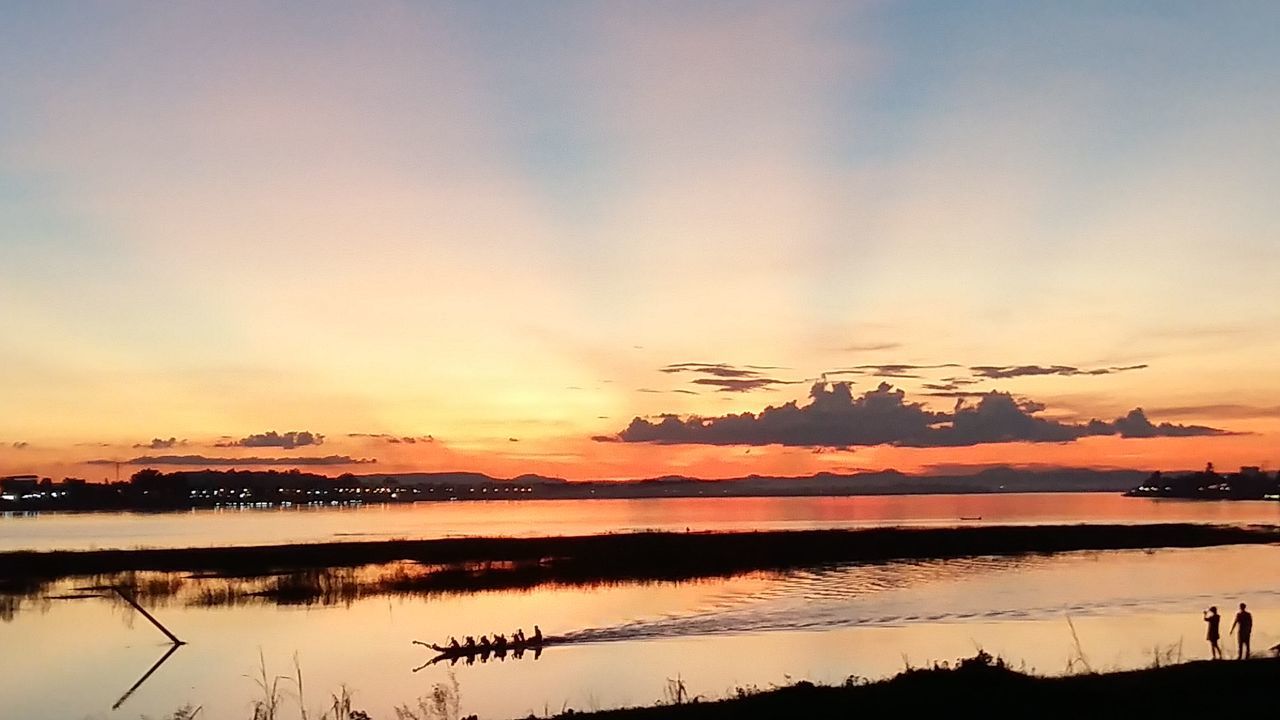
<point x="202" y="528"/>
<point x="822" y="625"/>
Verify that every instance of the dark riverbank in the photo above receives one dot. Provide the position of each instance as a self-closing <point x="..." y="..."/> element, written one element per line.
<point x="979" y="687"/>
<point x="465" y="564"/>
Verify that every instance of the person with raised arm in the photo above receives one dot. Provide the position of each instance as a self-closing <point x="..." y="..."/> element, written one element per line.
<point x="1214" y="621"/>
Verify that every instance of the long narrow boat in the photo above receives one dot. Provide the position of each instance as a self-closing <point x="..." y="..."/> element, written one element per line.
<point x="463" y="652"/>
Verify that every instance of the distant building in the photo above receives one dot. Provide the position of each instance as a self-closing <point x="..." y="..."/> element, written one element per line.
<point x="14" y="487"/>
<point x="19" y="483"/>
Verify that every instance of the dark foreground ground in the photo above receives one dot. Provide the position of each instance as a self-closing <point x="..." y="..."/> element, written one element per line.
<point x="466" y="564"/>
<point x="984" y="688"/>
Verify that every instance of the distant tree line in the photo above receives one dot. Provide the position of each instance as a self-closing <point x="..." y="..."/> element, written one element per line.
<point x="1250" y="483"/>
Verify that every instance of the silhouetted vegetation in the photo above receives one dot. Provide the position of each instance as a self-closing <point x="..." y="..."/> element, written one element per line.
<point x="984" y="686"/>
<point x="299" y="573"/>
<point x="152" y="490"/>
<point x="981" y="685"/>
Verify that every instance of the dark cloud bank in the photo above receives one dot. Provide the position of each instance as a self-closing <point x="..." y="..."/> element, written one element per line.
<point x="834" y="417"/>
<point x="206" y="461"/>
<point x="287" y="441"/>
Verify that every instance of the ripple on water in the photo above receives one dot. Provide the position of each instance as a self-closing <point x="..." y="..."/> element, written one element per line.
<point x="939" y="591"/>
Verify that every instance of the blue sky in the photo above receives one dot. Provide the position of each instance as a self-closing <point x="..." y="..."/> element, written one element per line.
<point x="438" y="218"/>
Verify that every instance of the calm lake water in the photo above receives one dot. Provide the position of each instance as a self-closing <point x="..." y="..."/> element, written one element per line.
<point x="203" y="528"/>
<point x="75" y="658"/>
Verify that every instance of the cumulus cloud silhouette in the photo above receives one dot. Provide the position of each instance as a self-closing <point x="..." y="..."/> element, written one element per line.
<point x="1136" y="425"/>
<point x="206" y="461"/>
<point x="161" y="444"/>
<point x="835" y="417"/>
<point x="286" y="441"/>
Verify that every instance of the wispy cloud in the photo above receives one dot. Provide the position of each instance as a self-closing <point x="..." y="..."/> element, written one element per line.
<point x="728" y="378"/>
<point x="1002" y="372"/>
<point x="871" y="346"/>
<point x="395" y="439"/>
<point x="890" y="370"/>
<point x="1221" y="410"/>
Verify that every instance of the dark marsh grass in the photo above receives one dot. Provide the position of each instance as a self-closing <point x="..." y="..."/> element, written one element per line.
<point x="345" y="571"/>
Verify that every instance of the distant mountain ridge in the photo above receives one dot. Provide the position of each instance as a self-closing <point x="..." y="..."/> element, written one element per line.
<point x="150" y="489"/>
<point x="997" y="479"/>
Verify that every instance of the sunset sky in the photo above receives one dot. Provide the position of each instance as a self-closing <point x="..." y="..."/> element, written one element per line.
<point x="377" y="237"/>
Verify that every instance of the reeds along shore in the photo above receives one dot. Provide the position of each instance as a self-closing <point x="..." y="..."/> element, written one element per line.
<point x="985" y="687"/>
<point x="978" y="686"/>
<point x="493" y="563"/>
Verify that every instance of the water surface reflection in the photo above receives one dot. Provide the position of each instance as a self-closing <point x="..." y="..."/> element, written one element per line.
<point x="627" y="640"/>
<point x="535" y="518"/>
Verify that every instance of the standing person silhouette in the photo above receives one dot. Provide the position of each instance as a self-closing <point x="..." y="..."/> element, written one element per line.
<point x="1243" y="621"/>
<point x="1214" y="620"/>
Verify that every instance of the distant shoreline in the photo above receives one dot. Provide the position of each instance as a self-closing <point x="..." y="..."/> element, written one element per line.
<point x="5" y="510"/>
<point x="9" y="509"/>
<point x="469" y="564"/>
<point x="151" y="490"/>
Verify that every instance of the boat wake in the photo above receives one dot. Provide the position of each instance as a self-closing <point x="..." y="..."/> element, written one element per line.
<point x="977" y="590"/>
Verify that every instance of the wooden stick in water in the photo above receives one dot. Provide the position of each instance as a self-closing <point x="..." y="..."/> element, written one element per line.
<point x="129" y="599"/>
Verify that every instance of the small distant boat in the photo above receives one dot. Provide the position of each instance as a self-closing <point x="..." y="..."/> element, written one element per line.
<point x="970" y="517"/>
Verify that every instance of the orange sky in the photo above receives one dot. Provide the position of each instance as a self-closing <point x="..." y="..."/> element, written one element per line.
<point x="479" y="224"/>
